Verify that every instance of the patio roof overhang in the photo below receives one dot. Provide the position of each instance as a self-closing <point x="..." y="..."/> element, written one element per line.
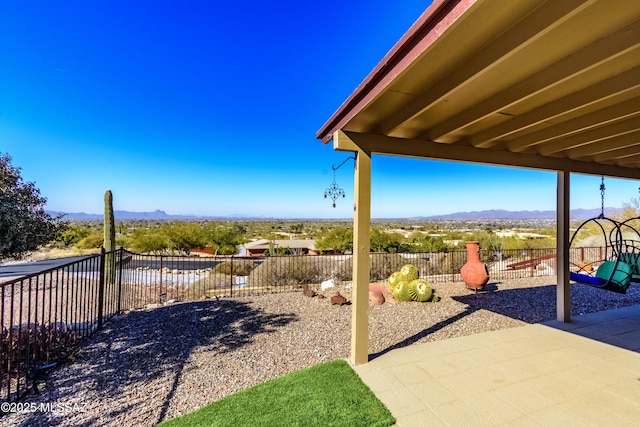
<point x="551" y="85"/>
<point x="543" y="84"/>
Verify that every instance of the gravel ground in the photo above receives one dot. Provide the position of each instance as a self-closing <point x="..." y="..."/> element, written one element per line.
<point x="150" y="365"/>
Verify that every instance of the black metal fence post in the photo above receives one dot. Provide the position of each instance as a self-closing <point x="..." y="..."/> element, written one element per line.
<point x="121" y="264"/>
<point x="161" y="268"/>
<point x="231" y="279"/>
<point x="101" y="288"/>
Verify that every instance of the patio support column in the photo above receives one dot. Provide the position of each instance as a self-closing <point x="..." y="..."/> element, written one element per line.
<point x="361" y="259"/>
<point x="563" y="289"/>
<point x="361" y="246"/>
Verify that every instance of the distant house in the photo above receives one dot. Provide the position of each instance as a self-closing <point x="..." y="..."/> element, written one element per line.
<point x="296" y="247"/>
<point x="207" y="250"/>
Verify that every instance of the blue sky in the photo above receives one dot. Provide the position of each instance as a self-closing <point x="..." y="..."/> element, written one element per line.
<point x="211" y="108"/>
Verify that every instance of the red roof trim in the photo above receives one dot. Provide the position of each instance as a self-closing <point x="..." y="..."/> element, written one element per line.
<point x="441" y="13"/>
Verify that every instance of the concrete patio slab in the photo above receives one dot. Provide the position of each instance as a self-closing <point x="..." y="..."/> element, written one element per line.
<point x="586" y="372"/>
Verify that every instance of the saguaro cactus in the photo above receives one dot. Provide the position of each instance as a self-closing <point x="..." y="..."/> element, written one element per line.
<point x="109" y="223"/>
<point x="109" y="243"/>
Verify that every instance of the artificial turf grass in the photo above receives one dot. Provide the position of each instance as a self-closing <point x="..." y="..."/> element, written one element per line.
<point x="328" y="394"/>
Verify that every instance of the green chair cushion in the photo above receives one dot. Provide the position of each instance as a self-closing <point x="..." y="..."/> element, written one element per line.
<point x="616" y="275"/>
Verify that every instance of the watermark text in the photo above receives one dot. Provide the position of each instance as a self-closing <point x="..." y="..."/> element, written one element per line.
<point x="50" y="407"/>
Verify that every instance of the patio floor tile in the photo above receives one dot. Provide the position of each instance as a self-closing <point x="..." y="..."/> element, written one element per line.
<point x="541" y="374"/>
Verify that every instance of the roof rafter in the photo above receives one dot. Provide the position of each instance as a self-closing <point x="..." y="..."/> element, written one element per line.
<point x="614" y="113"/>
<point x="615" y="86"/>
<point x="380" y="144"/>
<point x="515" y="38"/>
<point x="542" y="84"/>
<point x="583" y="61"/>
<point x="591" y="136"/>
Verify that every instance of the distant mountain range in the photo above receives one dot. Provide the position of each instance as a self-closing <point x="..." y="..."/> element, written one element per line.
<point x="579" y="214"/>
<point x="128" y="215"/>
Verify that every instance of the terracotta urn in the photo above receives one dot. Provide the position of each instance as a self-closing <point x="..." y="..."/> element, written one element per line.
<point x="474" y="272"/>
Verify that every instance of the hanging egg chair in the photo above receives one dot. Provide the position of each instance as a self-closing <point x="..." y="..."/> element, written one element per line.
<point x="629" y="246"/>
<point x="595" y="254"/>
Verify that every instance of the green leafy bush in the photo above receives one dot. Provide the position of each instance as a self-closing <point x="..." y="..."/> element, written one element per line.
<point x="381" y="266"/>
<point x="285" y="272"/>
<point x="91" y="241"/>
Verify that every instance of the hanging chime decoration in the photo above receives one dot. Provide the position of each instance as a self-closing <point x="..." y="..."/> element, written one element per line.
<point x="334" y="191"/>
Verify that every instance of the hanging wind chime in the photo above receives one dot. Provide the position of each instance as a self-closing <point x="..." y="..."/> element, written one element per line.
<point x="334" y="191"/>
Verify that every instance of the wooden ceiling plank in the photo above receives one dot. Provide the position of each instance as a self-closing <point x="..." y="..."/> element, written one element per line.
<point x="607" y="149"/>
<point x="616" y="86"/>
<point x="591" y="136"/>
<point x="599" y="52"/>
<point x="514" y="39"/>
<point x="613" y="113"/>
<point x="612" y="149"/>
<point x="630" y="160"/>
<point x="551" y="113"/>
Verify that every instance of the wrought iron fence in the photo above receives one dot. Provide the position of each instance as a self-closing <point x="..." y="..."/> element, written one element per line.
<point x="45" y="315"/>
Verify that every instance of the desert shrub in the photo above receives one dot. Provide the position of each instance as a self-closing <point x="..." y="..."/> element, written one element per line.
<point x="285" y="272"/>
<point x="239" y="267"/>
<point x="280" y="251"/>
<point x="93" y="240"/>
<point x="37" y="343"/>
<point x="70" y="235"/>
<point x="213" y="281"/>
<point x="345" y="270"/>
<point x="444" y="263"/>
<point x="381" y="266"/>
<point x="327" y="265"/>
<point x="486" y="256"/>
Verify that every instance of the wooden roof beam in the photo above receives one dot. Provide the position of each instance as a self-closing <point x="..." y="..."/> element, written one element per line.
<point x="584" y="60"/>
<point x="612" y="149"/>
<point x="615" y="86"/>
<point x="630" y="160"/>
<point x="623" y="110"/>
<point x="380" y="144"/>
<point x="622" y="147"/>
<point x="514" y="39"/>
<point x="590" y="137"/>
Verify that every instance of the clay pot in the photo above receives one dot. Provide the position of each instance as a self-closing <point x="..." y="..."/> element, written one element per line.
<point x="474" y="272"/>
